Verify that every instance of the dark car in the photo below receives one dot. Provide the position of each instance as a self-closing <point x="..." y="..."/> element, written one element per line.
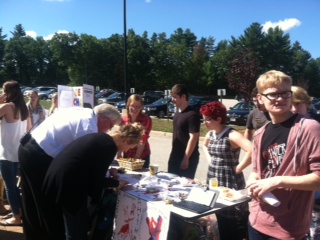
<point x="159" y="108"/>
<point x="171" y="109"/>
<point x="238" y="114"/>
<point x="113" y="98"/>
<point x="155" y="94"/>
<point x="103" y="94"/>
<point x="196" y="102"/>
<point x="146" y="100"/>
<point x="315" y="111"/>
<point x="317" y="106"/>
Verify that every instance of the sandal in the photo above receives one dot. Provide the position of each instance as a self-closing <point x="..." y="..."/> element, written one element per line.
<point x="6" y="216"/>
<point x="6" y="223"/>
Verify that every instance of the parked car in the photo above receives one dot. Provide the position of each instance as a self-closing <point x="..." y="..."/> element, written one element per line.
<point x="315" y="111"/>
<point x="146" y="100"/>
<point x="238" y="114"/>
<point x="159" y="108"/>
<point x="155" y="94"/>
<point x="104" y="94"/>
<point x="317" y="106"/>
<point x="24" y="88"/>
<point x="51" y="94"/>
<point x="113" y="98"/>
<point x="196" y="102"/>
<point x="171" y="109"/>
<point x="39" y="89"/>
<point x="46" y="94"/>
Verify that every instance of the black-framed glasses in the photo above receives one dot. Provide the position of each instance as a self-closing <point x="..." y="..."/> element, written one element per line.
<point x="208" y="120"/>
<point x="275" y="96"/>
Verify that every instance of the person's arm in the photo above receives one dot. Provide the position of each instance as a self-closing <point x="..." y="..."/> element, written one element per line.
<point x="308" y="182"/>
<point x="205" y="147"/>
<point x="147" y="126"/>
<point x="248" y="133"/>
<point x="29" y="125"/>
<point x="238" y="140"/>
<point x="193" y="139"/>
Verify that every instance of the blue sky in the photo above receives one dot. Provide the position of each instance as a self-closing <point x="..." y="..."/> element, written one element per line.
<point x="220" y="19"/>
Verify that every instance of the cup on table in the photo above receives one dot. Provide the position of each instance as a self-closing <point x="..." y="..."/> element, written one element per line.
<point x="153" y="168"/>
<point x="213" y="183"/>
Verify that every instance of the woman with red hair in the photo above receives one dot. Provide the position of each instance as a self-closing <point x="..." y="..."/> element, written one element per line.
<point x="222" y="146"/>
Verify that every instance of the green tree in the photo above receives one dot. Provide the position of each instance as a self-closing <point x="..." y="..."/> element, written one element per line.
<point x="244" y="73"/>
<point x="139" y="66"/>
<point x="2" y="52"/>
<point x="279" y="55"/>
<point x="216" y="68"/>
<point x="19" y="59"/>
<point x="162" y="70"/>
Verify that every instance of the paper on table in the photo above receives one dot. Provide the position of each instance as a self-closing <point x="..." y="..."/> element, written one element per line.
<point x="200" y="196"/>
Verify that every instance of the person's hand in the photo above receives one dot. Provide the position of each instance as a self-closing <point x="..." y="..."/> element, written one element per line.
<point x="3" y="98"/>
<point x="257" y="188"/>
<point x="184" y="164"/>
<point x="114" y="173"/>
<point x="122" y="183"/>
<point x="238" y="169"/>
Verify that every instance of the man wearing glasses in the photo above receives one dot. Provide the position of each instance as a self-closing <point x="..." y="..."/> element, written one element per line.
<point x="286" y="163"/>
<point x="257" y="117"/>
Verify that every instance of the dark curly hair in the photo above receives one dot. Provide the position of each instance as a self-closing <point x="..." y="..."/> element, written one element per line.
<point x="215" y="110"/>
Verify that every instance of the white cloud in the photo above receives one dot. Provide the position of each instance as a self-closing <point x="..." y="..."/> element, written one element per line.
<point x="56" y="0"/>
<point x="284" y="25"/>
<point x="32" y="34"/>
<point x="50" y="36"/>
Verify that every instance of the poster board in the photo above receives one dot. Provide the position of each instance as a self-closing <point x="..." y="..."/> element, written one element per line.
<point x="80" y="96"/>
<point x="139" y="219"/>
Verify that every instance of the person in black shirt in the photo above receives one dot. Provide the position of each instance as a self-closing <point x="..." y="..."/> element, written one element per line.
<point x="78" y="172"/>
<point x="184" y="156"/>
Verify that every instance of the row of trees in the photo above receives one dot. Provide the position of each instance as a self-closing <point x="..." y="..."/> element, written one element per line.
<point x="158" y="62"/>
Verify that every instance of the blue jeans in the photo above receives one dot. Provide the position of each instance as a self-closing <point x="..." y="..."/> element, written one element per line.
<point x="256" y="235"/>
<point x="9" y="175"/>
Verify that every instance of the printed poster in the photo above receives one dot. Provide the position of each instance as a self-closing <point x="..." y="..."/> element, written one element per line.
<point x="75" y="96"/>
<point x="137" y="219"/>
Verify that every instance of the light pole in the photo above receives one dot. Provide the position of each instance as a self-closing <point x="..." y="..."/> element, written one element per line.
<point x="126" y="82"/>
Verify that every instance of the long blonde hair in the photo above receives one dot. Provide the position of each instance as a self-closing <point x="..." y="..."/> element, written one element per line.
<point x="54" y="104"/>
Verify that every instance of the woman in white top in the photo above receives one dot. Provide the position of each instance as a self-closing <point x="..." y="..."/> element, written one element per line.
<point x="54" y="104"/>
<point x="13" y="124"/>
<point x="37" y="112"/>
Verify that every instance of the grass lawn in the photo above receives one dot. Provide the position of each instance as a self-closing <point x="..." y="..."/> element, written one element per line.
<point x="162" y="125"/>
<point x="165" y="125"/>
